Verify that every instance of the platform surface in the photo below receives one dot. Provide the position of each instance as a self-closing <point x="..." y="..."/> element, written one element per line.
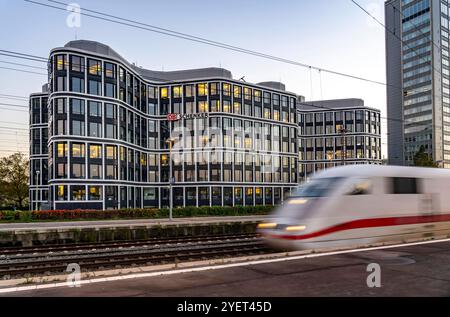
<point x="124" y="223"/>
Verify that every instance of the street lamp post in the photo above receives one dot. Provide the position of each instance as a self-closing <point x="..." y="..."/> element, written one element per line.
<point x="344" y="145"/>
<point x="38" y="180"/>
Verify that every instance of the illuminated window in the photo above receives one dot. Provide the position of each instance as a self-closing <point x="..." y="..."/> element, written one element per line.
<point x="177" y="92"/>
<point x="215" y="106"/>
<point x="276" y="115"/>
<point x="247" y="93"/>
<point x="237" y="91"/>
<point x="163" y="92"/>
<point x="111" y="152"/>
<point x="61" y="193"/>
<point x="257" y="95"/>
<point x="95" y="193"/>
<point x="248" y="143"/>
<point x="202" y="106"/>
<point x="237" y="107"/>
<point x="202" y="89"/>
<point x="214" y="89"/>
<point x="61" y="62"/>
<point x="143" y="159"/>
<point x="95" y="151"/>
<point x="61" y="149"/>
<point x="226" y="89"/>
<point x="95" y="67"/>
<point x="78" y="192"/>
<point x="226" y="106"/>
<point x="164" y="160"/>
<point x="77" y="150"/>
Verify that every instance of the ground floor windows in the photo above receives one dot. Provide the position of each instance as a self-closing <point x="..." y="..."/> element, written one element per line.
<point x="114" y="197"/>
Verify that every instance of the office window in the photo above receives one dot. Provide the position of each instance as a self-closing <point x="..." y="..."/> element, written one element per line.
<point x="77" y="127"/>
<point x="95" y="129"/>
<point x="110" y="111"/>
<point x="78" y="192"/>
<point x="60" y="127"/>
<point x="61" y="150"/>
<point x="110" y="70"/>
<point x="95" y="109"/>
<point x="95" y="193"/>
<point x="95" y="67"/>
<point x="77" y="106"/>
<point x="177" y="92"/>
<point x="95" y="87"/>
<point x="60" y="106"/>
<point x="95" y="171"/>
<point x="78" y="150"/>
<point x="78" y="170"/>
<point x="164" y="92"/>
<point x="110" y="90"/>
<point x="111" y="152"/>
<point x="77" y="85"/>
<point x="61" y="170"/>
<point x="237" y="92"/>
<point x="61" y="192"/>
<point x="226" y="89"/>
<point x="61" y="62"/>
<point x="237" y="107"/>
<point x="189" y="90"/>
<point x="202" y="106"/>
<point x="77" y="64"/>
<point x="202" y="89"/>
<point x="95" y="151"/>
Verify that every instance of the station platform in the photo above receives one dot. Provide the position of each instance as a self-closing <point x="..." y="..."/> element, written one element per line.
<point x="51" y="225"/>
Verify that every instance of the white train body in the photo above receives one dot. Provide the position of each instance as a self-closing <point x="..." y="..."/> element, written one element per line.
<point x="363" y="205"/>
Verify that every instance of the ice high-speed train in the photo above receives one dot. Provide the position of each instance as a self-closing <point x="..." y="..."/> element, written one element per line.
<point x="362" y="205"/>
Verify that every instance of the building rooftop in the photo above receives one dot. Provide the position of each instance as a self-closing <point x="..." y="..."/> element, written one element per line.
<point x="332" y="104"/>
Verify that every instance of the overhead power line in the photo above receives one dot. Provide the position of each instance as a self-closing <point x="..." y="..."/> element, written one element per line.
<point x="24" y="65"/>
<point x="23" y="71"/>
<point x="185" y="36"/>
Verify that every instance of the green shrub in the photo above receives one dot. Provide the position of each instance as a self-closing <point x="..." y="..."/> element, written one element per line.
<point x="131" y="213"/>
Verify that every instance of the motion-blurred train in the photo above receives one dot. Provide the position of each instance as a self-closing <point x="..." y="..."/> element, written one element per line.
<point x="361" y="205"/>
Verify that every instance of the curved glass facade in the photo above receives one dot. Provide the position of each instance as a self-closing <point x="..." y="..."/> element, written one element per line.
<point x="119" y="135"/>
<point x="234" y="143"/>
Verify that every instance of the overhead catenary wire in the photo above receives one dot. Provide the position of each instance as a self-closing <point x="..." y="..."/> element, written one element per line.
<point x="144" y="26"/>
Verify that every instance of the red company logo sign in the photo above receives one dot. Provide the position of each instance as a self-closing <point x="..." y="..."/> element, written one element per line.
<point x="177" y="116"/>
<point x="173" y="117"/>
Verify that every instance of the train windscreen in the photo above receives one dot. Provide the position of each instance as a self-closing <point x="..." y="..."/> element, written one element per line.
<point x="319" y="187"/>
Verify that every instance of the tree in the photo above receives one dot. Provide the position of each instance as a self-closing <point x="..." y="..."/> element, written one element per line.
<point x="14" y="179"/>
<point x="421" y="158"/>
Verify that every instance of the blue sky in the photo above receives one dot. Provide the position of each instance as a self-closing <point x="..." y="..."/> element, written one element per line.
<point x="332" y="34"/>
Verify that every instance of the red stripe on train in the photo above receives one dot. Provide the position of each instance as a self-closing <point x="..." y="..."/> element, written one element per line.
<point x="368" y="223"/>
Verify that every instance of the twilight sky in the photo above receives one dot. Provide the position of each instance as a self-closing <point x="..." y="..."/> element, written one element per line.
<point x="333" y="34"/>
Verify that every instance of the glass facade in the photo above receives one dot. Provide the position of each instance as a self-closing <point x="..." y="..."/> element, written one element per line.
<point x="38" y="167"/>
<point x="335" y="137"/>
<point x="110" y="127"/>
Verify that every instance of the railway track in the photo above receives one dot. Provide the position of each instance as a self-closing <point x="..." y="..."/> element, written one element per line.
<point x="32" y="261"/>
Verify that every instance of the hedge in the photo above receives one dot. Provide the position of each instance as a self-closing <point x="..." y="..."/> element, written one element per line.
<point x="79" y="214"/>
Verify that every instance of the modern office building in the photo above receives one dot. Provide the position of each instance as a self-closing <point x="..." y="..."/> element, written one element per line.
<point x="418" y="85"/>
<point x="337" y="132"/>
<point x="38" y="167"/>
<point x="119" y="135"/>
<point x="234" y="143"/>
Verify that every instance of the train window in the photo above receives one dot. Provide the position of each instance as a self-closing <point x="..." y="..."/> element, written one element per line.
<point x="318" y="187"/>
<point x="404" y="185"/>
<point x="361" y="187"/>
